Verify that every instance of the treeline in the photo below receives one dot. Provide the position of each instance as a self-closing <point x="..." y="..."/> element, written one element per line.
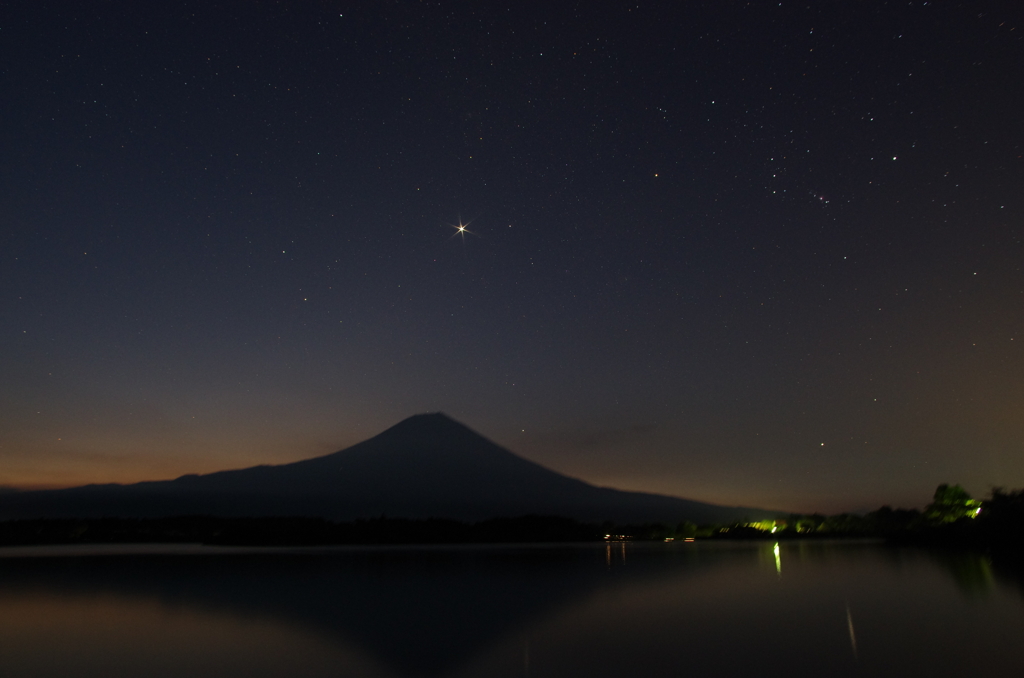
<point x="995" y="524"/>
<point x="953" y="519"/>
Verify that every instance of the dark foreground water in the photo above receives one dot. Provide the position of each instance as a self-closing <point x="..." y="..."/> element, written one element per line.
<point x="802" y="609"/>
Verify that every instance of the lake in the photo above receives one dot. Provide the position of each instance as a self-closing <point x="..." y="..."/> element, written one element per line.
<point x="595" y="610"/>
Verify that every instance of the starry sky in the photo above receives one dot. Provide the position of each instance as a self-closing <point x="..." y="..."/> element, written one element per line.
<point x="760" y="253"/>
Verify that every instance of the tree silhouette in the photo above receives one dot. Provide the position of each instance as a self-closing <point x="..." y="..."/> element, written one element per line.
<point x="951" y="503"/>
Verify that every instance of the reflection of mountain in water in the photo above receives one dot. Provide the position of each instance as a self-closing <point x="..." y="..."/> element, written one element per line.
<point x="421" y="611"/>
<point x="617" y="609"/>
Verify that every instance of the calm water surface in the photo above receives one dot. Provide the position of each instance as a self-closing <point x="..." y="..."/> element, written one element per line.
<point x="802" y="609"/>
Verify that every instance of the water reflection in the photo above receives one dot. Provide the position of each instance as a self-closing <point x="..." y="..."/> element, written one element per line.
<point x="972" y="572"/>
<point x="418" y="610"/>
<point x="612" y="609"/>
<point x="853" y="635"/>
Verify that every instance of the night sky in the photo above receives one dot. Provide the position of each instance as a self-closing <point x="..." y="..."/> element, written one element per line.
<point x="762" y="253"/>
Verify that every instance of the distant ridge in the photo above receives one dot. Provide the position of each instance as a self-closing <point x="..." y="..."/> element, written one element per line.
<point x="428" y="465"/>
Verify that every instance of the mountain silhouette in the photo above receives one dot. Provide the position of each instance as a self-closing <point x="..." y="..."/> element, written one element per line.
<point x="428" y="465"/>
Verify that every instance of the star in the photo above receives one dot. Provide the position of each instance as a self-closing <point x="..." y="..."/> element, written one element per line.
<point x="461" y="229"/>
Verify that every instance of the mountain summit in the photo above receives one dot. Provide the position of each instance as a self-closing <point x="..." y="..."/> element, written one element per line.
<point x="428" y="465"/>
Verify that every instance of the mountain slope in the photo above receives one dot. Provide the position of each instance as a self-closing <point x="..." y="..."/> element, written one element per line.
<point x="426" y="465"/>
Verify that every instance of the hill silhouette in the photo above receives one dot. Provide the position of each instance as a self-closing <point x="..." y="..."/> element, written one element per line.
<point x="425" y="466"/>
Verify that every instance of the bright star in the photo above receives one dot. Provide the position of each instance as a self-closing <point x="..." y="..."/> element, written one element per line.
<point x="461" y="229"/>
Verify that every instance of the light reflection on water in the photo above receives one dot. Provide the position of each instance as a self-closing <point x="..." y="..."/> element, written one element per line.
<point x="601" y="610"/>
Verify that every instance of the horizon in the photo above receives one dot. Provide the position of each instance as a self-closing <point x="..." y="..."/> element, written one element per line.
<point x="762" y="255"/>
<point x="9" y="488"/>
